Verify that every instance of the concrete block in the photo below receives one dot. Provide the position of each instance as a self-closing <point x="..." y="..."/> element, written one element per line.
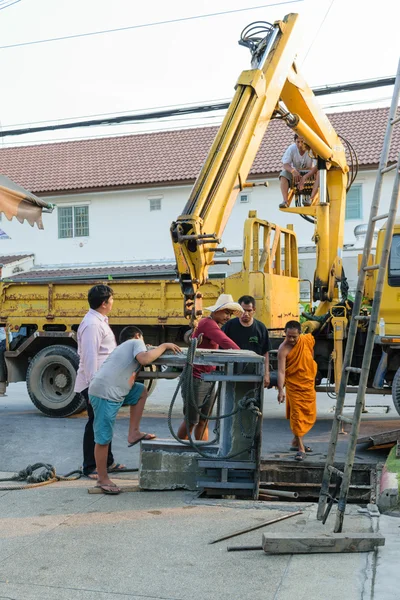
<point x="167" y="480"/>
<point x="176" y="462"/>
<point x="151" y="461"/>
<point x="287" y="543"/>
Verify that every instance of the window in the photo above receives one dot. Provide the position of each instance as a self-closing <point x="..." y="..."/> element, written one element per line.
<point x="73" y="221"/>
<point x="155" y="204"/>
<point x="394" y="262"/>
<point x="244" y="198"/>
<point x="354" y="203"/>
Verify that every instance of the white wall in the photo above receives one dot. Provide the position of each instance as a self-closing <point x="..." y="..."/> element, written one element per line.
<point x="122" y="228"/>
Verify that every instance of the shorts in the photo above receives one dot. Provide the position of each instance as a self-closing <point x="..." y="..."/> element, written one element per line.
<point x="289" y="176"/>
<point x="203" y="400"/>
<point x="105" y="413"/>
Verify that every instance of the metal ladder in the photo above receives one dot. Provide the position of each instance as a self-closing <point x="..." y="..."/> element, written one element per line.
<point x="326" y="499"/>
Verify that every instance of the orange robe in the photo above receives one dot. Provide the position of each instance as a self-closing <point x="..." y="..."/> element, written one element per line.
<point x="301" y="397"/>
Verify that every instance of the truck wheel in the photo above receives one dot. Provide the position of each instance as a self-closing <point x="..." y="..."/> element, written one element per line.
<point x="396" y="391"/>
<point x="50" y="380"/>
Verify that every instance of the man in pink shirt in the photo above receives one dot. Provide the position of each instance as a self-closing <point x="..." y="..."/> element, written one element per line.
<point x="212" y="338"/>
<point x="96" y="341"/>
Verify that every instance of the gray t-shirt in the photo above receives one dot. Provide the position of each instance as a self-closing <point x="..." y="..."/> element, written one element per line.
<point x="112" y="380"/>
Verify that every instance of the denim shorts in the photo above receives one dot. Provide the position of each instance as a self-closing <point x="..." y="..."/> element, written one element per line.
<point x="105" y="413"/>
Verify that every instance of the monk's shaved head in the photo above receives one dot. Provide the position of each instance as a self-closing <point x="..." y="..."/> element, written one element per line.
<point x="293" y="325"/>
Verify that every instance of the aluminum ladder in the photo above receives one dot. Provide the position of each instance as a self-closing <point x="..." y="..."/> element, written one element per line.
<point x="326" y="499"/>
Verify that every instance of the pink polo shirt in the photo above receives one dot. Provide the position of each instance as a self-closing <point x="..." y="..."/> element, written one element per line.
<point x="96" y="341"/>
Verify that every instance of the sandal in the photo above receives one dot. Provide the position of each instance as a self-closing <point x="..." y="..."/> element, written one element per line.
<point x="109" y="488"/>
<point x="284" y="205"/>
<point x="116" y="468"/>
<point x="296" y="449"/>
<point x="300" y="456"/>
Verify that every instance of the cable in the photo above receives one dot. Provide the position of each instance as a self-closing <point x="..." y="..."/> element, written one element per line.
<point x="8" y="5"/>
<point x="159" y="114"/>
<point x="316" y="35"/>
<point x="143" y="25"/>
<point x="349" y="86"/>
<point x="133" y="111"/>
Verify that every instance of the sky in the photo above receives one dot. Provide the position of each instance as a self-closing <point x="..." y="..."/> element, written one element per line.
<point x="174" y="53"/>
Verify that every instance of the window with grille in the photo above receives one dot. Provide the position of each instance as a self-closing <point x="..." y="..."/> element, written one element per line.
<point x="354" y="203"/>
<point x="73" y="221"/>
<point x="155" y="204"/>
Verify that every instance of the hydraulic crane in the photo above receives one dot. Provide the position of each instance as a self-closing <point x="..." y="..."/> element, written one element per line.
<point x="272" y="88"/>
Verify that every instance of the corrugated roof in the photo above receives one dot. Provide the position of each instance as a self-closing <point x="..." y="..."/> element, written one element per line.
<point x="10" y="258"/>
<point x="151" y="270"/>
<point x="171" y="156"/>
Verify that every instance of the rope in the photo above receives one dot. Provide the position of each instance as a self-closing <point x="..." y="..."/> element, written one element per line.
<point x="46" y="476"/>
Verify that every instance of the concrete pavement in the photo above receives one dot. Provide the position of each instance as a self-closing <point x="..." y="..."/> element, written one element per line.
<point x="60" y="542"/>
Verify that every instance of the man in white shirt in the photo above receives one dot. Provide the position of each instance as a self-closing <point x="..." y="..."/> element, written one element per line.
<point x="96" y="341"/>
<point x="298" y="167"/>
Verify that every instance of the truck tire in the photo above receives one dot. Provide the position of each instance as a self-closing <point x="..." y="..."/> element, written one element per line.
<point x="396" y="391"/>
<point x="50" y="380"/>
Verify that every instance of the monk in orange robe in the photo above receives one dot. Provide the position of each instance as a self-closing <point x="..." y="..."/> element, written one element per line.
<point x="296" y="371"/>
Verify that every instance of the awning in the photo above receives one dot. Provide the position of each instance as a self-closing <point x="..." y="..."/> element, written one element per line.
<point x="19" y="203"/>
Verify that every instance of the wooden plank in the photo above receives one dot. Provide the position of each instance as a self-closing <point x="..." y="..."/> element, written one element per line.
<point x="382" y="446"/>
<point x="280" y="543"/>
<point x="381" y="438"/>
<point x="123" y="488"/>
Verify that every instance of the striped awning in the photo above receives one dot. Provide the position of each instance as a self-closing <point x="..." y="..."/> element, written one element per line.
<point x="17" y="202"/>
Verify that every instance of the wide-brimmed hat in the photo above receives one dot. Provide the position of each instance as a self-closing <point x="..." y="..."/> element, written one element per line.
<point x="225" y="301"/>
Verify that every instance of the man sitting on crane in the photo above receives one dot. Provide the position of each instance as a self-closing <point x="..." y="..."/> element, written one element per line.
<point x="298" y="167"/>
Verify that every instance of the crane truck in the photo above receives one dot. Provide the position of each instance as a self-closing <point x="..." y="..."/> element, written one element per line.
<point x="44" y="315"/>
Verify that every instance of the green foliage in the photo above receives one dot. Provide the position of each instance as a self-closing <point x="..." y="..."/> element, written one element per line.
<point x="305" y="307"/>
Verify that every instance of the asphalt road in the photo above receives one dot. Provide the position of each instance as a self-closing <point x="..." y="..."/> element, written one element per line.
<point x="27" y="436"/>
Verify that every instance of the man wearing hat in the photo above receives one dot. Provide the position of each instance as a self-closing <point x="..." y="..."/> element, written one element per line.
<point x="212" y="339"/>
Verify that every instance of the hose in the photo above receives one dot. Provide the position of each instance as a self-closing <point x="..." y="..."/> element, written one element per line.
<point x="187" y="385"/>
<point x="45" y="477"/>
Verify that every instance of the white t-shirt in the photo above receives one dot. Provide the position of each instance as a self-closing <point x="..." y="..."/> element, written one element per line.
<point x="112" y="380"/>
<point x="293" y="157"/>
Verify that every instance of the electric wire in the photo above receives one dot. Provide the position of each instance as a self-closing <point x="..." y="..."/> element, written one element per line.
<point x="144" y="25"/>
<point x="319" y="29"/>
<point x="2" y="7"/>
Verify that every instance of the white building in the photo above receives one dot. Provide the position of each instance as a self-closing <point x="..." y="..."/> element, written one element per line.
<point x="116" y="197"/>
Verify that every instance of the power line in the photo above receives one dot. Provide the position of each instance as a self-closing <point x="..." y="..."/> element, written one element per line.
<point x="319" y="29"/>
<point x="154" y="130"/>
<point x="123" y="112"/>
<point x="10" y="3"/>
<point x="143" y="25"/>
<point x="187" y="110"/>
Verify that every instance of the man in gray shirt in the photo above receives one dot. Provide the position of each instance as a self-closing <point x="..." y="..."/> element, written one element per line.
<point x="114" y="386"/>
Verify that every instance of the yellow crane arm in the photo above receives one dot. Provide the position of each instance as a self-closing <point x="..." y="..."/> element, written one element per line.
<point x="271" y="88"/>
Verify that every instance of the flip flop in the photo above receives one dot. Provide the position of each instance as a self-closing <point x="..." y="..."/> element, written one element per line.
<point x="296" y="449"/>
<point x="110" y="489"/>
<point x="300" y="456"/>
<point x="116" y="468"/>
<point x="146" y="436"/>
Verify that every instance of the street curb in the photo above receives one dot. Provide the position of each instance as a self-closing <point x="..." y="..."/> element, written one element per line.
<point x="388" y="490"/>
